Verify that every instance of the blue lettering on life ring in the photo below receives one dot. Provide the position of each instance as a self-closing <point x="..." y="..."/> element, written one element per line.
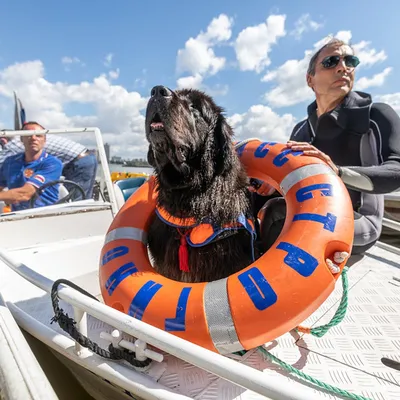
<point x="262" y="150"/>
<point x="328" y="220"/>
<point x="178" y="324"/>
<point x="298" y="259"/>
<point x="306" y="193"/>
<point x="281" y="158"/>
<point x="115" y="252"/>
<point x="119" y="275"/>
<point x="257" y="287"/>
<point x="142" y="299"/>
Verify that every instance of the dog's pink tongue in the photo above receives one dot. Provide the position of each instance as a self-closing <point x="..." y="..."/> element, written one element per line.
<point x="157" y="125"/>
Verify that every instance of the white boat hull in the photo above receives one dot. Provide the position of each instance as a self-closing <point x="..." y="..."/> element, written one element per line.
<point x="348" y="356"/>
<point x="64" y="242"/>
<point x="21" y="376"/>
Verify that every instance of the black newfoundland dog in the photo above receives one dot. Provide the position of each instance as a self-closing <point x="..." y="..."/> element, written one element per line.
<point x="199" y="233"/>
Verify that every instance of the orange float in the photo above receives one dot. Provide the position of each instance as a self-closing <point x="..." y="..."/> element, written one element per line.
<point x="259" y="303"/>
<point x="6" y="209"/>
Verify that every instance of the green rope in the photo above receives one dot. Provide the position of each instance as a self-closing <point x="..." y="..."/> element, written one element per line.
<point x="309" y="378"/>
<point x="340" y="313"/>
<point x="320" y="331"/>
<point x="241" y="353"/>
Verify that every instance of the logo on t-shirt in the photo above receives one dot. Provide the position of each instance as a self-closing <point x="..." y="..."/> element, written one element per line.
<point x="28" y="173"/>
<point x="39" y="178"/>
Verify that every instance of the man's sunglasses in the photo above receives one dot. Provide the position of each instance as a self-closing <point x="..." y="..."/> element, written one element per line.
<point x="333" y="61"/>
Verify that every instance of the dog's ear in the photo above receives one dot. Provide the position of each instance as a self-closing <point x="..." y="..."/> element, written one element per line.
<point x="225" y="153"/>
<point x="150" y="157"/>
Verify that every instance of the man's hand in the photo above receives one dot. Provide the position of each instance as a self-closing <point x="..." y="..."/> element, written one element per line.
<point x="309" y="150"/>
<point x="17" y="195"/>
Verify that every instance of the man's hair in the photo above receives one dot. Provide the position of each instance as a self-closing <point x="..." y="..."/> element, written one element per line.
<point x="32" y="123"/>
<point x="334" y="42"/>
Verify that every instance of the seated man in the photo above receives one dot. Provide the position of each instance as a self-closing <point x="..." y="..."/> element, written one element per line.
<point x="23" y="173"/>
<point x="357" y="138"/>
<point x="79" y="163"/>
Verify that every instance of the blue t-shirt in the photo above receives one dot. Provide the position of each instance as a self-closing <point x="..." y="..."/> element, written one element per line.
<point x="15" y="172"/>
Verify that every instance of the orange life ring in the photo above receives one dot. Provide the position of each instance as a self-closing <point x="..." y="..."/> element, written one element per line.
<point x="6" y="209"/>
<point x="261" y="302"/>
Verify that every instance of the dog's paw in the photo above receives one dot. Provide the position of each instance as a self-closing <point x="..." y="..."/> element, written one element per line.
<point x="338" y="258"/>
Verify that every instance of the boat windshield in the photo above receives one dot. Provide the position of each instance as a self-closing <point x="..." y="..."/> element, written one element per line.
<point x="63" y="172"/>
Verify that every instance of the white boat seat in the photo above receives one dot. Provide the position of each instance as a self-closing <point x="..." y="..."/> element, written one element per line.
<point x="124" y="189"/>
<point x="62" y="191"/>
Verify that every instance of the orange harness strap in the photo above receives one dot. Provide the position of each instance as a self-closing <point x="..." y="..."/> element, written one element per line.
<point x="201" y="233"/>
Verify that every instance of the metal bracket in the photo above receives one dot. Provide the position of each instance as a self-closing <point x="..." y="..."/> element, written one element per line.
<point x="139" y="347"/>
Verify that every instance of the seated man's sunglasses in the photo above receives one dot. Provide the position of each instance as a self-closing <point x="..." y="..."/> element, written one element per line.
<point x="333" y="61"/>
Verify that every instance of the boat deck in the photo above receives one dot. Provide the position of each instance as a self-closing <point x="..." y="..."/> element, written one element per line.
<point x="348" y="356"/>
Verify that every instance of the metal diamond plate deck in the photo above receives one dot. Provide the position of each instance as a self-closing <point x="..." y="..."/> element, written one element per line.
<point x="348" y="356"/>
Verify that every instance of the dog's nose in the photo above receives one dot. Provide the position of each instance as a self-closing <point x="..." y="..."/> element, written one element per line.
<point x="161" y="91"/>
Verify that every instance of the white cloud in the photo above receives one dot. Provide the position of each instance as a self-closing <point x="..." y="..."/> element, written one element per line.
<point x="196" y="82"/>
<point x="108" y="59"/>
<point x="141" y="81"/>
<point x="216" y="90"/>
<point x="368" y="56"/>
<point x="192" y="82"/>
<point x="70" y="60"/>
<point x="198" y="56"/>
<point x="114" y="108"/>
<point x="290" y="77"/>
<point x="291" y="86"/>
<point x="114" y="74"/>
<point x="345" y="36"/>
<point x="305" y="24"/>
<point x="262" y="122"/>
<point x="254" y="43"/>
<point x="393" y="99"/>
<point x="376" y="80"/>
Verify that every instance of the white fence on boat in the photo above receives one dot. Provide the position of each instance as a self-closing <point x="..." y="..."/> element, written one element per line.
<point x="392" y="225"/>
<point x="277" y="388"/>
<point x="21" y="376"/>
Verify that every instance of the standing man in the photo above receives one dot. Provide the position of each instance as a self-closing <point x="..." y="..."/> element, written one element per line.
<point x="27" y="171"/>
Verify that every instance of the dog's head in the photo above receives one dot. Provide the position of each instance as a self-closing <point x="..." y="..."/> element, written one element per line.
<point x="187" y="133"/>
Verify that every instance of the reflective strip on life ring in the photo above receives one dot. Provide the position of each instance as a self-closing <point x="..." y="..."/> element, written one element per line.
<point x="259" y="303"/>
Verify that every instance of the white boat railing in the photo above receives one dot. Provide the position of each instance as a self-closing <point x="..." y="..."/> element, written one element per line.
<point x="277" y="388"/>
<point x="21" y="376"/>
<point x="391" y="224"/>
<point x="100" y="148"/>
<point x="394" y="196"/>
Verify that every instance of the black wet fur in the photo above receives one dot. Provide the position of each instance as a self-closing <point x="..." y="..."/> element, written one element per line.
<point x="199" y="175"/>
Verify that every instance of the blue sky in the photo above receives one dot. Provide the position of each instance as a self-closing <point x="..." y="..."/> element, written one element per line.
<point x="80" y="63"/>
